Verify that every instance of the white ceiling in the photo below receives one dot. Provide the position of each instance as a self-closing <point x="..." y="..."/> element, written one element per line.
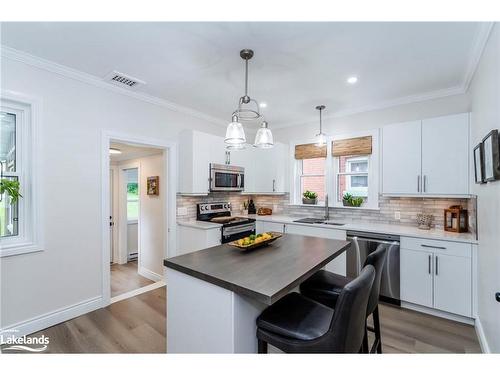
<point x="296" y="65"/>
<point x="131" y="152"/>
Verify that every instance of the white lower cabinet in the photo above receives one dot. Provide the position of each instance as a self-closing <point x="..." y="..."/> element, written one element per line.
<point x="191" y="239"/>
<point x="437" y="274"/>
<point x="339" y="264"/>
<point x="267" y="226"/>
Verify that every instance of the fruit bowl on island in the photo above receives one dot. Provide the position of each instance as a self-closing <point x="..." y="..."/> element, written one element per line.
<point x="256" y="240"/>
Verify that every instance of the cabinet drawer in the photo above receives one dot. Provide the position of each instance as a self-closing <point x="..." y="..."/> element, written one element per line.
<point x="437" y="246"/>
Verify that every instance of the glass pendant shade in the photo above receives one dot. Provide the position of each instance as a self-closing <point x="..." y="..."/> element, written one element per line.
<point x="235" y="135"/>
<point x="320" y="139"/>
<point x="264" y="137"/>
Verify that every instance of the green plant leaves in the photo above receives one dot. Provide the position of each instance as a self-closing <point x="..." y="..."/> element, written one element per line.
<point x="11" y="188"/>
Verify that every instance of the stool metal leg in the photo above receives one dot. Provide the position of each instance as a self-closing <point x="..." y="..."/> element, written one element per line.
<point x="378" y="336"/>
<point x="261" y="346"/>
<point x="364" y="346"/>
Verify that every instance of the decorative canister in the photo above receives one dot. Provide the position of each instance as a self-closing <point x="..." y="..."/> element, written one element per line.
<point x="424" y="221"/>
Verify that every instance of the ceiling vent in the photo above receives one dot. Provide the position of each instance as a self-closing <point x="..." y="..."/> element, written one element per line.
<point x="123" y="80"/>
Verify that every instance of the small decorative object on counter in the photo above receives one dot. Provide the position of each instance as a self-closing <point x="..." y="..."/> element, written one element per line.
<point x="264" y="211"/>
<point x="456" y="219"/>
<point x="253" y="241"/>
<point x="310" y="197"/>
<point x="251" y="207"/>
<point x="424" y="221"/>
<point x="348" y="200"/>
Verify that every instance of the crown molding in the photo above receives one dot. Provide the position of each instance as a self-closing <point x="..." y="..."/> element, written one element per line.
<point x="437" y="94"/>
<point x="478" y="47"/>
<point x="51" y="66"/>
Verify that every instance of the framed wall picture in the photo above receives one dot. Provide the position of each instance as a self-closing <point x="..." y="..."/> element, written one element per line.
<point x="153" y="185"/>
<point x="479" y="164"/>
<point x="491" y="152"/>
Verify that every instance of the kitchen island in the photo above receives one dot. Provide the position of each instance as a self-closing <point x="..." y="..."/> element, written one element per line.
<point x="214" y="295"/>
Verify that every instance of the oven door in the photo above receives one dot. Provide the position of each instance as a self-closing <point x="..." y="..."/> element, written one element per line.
<point x="236" y="232"/>
<point x="226" y="180"/>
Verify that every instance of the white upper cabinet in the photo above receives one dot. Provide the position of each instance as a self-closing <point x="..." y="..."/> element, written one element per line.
<point x="428" y="157"/>
<point x="445" y="161"/>
<point x="194" y="154"/>
<point x="401" y="153"/>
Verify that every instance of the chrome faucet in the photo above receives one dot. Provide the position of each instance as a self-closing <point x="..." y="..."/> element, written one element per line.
<point x="327" y="211"/>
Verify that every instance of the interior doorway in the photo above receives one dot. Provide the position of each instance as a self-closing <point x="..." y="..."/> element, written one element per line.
<point x="136" y="220"/>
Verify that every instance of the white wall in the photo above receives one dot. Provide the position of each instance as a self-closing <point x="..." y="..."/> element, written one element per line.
<point x="485" y="116"/>
<point x="73" y="114"/>
<point x="374" y="119"/>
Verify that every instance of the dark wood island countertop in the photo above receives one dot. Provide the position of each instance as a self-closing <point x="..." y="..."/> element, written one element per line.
<point x="265" y="274"/>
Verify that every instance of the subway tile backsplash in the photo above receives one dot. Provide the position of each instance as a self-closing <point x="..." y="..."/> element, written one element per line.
<point x="407" y="207"/>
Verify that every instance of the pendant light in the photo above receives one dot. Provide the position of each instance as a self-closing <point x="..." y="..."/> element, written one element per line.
<point x="320" y="137"/>
<point x="235" y="134"/>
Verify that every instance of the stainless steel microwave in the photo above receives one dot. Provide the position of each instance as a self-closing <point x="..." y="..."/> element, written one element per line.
<point x="225" y="177"/>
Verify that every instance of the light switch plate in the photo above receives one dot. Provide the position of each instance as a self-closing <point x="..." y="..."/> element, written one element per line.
<point x="397" y="215"/>
<point x="182" y="211"/>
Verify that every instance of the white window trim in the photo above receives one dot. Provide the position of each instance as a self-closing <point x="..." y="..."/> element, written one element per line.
<point x="30" y="238"/>
<point x="331" y="168"/>
<point x="373" y="172"/>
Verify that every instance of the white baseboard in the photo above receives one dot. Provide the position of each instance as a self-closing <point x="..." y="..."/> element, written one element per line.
<point x="485" y="348"/>
<point x="50" y="319"/>
<point x="148" y="274"/>
<point x="439" y="313"/>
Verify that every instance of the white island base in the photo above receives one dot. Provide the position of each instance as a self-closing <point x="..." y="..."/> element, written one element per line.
<point x="205" y="318"/>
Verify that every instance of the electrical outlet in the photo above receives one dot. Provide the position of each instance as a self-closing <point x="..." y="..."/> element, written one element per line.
<point x="397" y="215"/>
<point x="275" y="207"/>
<point x="182" y="211"/>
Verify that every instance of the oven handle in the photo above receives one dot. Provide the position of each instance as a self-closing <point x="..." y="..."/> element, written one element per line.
<point x="239" y="180"/>
<point x="227" y="231"/>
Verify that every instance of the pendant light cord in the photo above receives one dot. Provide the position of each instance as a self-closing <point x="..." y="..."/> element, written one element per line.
<point x="246" y="77"/>
<point x="320" y="122"/>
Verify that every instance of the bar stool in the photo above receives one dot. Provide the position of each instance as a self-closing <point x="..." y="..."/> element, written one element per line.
<point x="325" y="287"/>
<point x="297" y="324"/>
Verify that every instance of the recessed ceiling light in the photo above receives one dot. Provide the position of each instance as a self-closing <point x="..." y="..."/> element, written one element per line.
<point x="263" y="105"/>
<point x="352" y="80"/>
<point x="114" y="151"/>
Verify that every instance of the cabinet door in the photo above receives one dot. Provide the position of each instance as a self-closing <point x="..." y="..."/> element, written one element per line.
<point x="281" y="183"/>
<point x="416" y="277"/>
<point x="445" y="155"/>
<point x="267" y="226"/>
<point x="339" y="264"/>
<point x="401" y="158"/>
<point x="452" y="284"/>
<point x="265" y="170"/>
<point x="245" y="158"/>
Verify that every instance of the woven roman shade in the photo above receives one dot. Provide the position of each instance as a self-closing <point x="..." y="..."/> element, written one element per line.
<point x="352" y="146"/>
<point x="309" y="151"/>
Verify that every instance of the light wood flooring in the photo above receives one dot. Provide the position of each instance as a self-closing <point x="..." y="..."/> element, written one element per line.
<point x="125" y="278"/>
<point x="137" y="325"/>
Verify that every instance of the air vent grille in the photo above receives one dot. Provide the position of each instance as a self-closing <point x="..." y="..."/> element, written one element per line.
<point x="123" y="80"/>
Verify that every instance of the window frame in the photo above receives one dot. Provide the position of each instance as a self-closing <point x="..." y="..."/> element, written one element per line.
<point x="352" y="174"/>
<point x="301" y="174"/>
<point x="331" y="170"/>
<point x="29" y="238"/>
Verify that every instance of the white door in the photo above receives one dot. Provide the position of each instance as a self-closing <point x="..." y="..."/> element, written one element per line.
<point x="452" y="284"/>
<point x="416" y="277"/>
<point x="445" y="155"/>
<point x="401" y="158"/>
<point x="111" y="218"/>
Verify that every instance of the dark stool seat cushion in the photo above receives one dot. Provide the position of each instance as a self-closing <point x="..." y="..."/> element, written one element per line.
<point x="296" y="317"/>
<point x="324" y="287"/>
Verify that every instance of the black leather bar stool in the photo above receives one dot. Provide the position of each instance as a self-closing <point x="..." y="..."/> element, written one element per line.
<point x="297" y="324"/>
<point x="326" y="287"/>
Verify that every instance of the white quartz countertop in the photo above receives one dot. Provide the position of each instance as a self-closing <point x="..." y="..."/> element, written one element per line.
<point x="363" y="226"/>
<point x="198" y="224"/>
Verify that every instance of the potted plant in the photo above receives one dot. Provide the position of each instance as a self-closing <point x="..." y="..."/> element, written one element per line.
<point x="11" y="188"/>
<point x="350" y="201"/>
<point x="310" y="197"/>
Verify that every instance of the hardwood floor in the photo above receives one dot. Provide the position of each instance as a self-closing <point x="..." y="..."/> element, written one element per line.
<point x="137" y="325"/>
<point x="125" y="278"/>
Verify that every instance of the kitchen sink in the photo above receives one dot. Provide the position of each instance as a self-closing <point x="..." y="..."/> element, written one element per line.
<point x="313" y="220"/>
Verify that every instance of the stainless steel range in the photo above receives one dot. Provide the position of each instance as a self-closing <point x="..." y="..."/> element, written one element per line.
<point x="233" y="227"/>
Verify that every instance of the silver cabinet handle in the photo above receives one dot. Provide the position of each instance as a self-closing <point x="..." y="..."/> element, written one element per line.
<point x="437" y="273"/>
<point x="434" y="247"/>
<point x="418" y="183"/>
<point x="425" y="183"/>
<point x="274" y="186"/>
<point x="430" y="256"/>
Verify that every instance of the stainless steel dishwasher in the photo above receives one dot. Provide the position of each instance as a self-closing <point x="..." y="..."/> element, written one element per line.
<point x="364" y="243"/>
